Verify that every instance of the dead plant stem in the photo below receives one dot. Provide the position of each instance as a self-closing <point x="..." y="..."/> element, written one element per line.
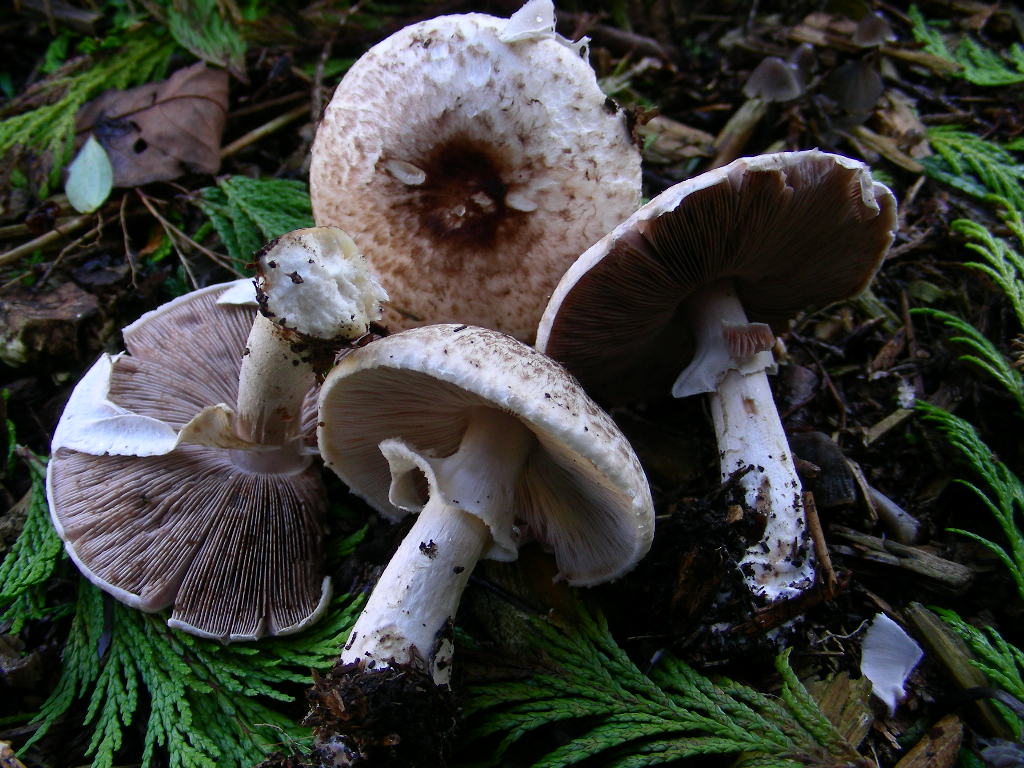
<point x="46" y="240"/>
<point x="256" y="134"/>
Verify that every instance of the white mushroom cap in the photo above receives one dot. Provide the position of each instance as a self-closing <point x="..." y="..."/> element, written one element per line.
<point x="582" y="491"/>
<point x="790" y="230"/>
<point x="230" y="536"/>
<point x="472" y="159"/>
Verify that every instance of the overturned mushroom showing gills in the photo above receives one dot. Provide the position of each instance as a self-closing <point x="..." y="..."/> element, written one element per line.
<point x="166" y="495"/>
<point x="691" y="289"/>
<point x="492" y="444"/>
<point x="473" y="159"/>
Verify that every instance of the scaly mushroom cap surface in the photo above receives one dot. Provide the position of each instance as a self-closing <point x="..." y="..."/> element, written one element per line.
<point x="232" y="538"/>
<point x="791" y="230"/>
<point x="582" y="491"/>
<point x="472" y="161"/>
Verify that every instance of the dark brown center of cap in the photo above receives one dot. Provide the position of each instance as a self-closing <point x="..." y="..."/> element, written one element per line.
<point x="461" y="201"/>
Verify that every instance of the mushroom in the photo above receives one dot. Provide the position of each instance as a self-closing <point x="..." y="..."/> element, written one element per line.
<point x="492" y="444"/>
<point x="164" y="494"/>
<point x="693" y="286"/>
<point x="473" y="158"/>
<point x="773" y="80"/>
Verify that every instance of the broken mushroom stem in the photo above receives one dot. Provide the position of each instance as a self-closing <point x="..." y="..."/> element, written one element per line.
<point x="316" y="294"/>
<point x="731" y="362"/>
<point x="406" y="619"/>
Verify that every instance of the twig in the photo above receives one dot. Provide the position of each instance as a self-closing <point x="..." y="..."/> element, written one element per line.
<point x="268" y="104"/>
<point x="97" y="230"/>
<point x="171" y="231"/>
<point x="264" y="130"/>
<point x="316" y="103"/>
<point x="954" y="657"/>
<point x="43" y="241"/>
<point x="826" y="574"/>
<point x="951" y="575"/>
<point x="618" y="40"/>
<point x="124" y="237"/>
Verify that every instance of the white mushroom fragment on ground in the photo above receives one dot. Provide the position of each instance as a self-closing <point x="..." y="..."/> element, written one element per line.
<point x="473" y="158"/>
<point x="691" y="289"/>
<point x="492" y="444"/>
<point x="166" y="495"/>
<point x="888" y="656"/>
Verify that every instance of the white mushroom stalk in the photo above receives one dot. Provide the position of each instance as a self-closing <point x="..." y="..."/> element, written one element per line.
<point x="686" y="294"/>
<point x="491" y="443"/>
<point x="315" y="294"/>
<point x="417" y="596"/>
<point x="731" y="364"/>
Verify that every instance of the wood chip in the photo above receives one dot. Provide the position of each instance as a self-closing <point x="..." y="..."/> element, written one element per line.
<point x="946" y="574"/>
<point x="939" y="746"/>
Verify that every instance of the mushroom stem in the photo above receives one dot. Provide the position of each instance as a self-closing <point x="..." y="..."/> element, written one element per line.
<point x="469" y="511"/>
<point x="316" y="293"/>
<point x="272" y="385"/>
<point x="406" y="617"/>
<point x="731" y="361"/>
<point x="750" y="434"/>
<point x="725" y="341"/>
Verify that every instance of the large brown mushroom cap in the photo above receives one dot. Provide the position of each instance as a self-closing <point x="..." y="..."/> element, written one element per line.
<point x="582" y="491"/>
<point x="472" y="170"/>
<point x="791" y="231"/>
<point x="231" y="538"/>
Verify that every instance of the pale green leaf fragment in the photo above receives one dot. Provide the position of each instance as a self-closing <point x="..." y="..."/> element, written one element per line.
<point x="90" y="177"/>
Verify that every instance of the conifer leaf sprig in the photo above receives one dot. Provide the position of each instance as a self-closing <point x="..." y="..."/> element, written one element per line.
<point x="32" y="558"/>
<point x="977" y="64"/>
<point x="208" y="704"/>
<point x="975" y="166"/>
<point x="631" y="720"/>
<point x="1001" y="661"/>
<point x="248" y="212"/>
<point x="48" y="130"/>
<point x="983" y="354"/>
<point x="1002" y="262"/>
<point x="209" y="30"/>
<point x="998" y="489"/>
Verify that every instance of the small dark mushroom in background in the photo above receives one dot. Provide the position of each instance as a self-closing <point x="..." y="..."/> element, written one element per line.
<point x="473" y="159"/>
<point x="872" y="30"/>
<point x="855" y="88"/>
<point x="165" y="495"/>
<point x="693" y="286"/>
<point x="492" y="444"/>
<point x="773" y="80"/>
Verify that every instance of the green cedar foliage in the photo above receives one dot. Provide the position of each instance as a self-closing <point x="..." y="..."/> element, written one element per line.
<point x="983" y="354"/>
<point x="978" y="65"/>
<point x="209" y="30"/>
<point x="208" y="704"/>
<point x="1002" y="662"/>
<point x="998" y="488"/>
<point x="997" y="180"/>
<point x="1004" y="265"/>
<point x="32" y="559"/>
<point x="989" y="172"/>
<point x="626" y="719"/>
<point x="975" y="166"/>
<point x="46" y="131"/>
<point x="248" y="212"/>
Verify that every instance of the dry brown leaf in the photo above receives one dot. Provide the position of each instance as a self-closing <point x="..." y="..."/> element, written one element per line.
<point x="160" y="131"/>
